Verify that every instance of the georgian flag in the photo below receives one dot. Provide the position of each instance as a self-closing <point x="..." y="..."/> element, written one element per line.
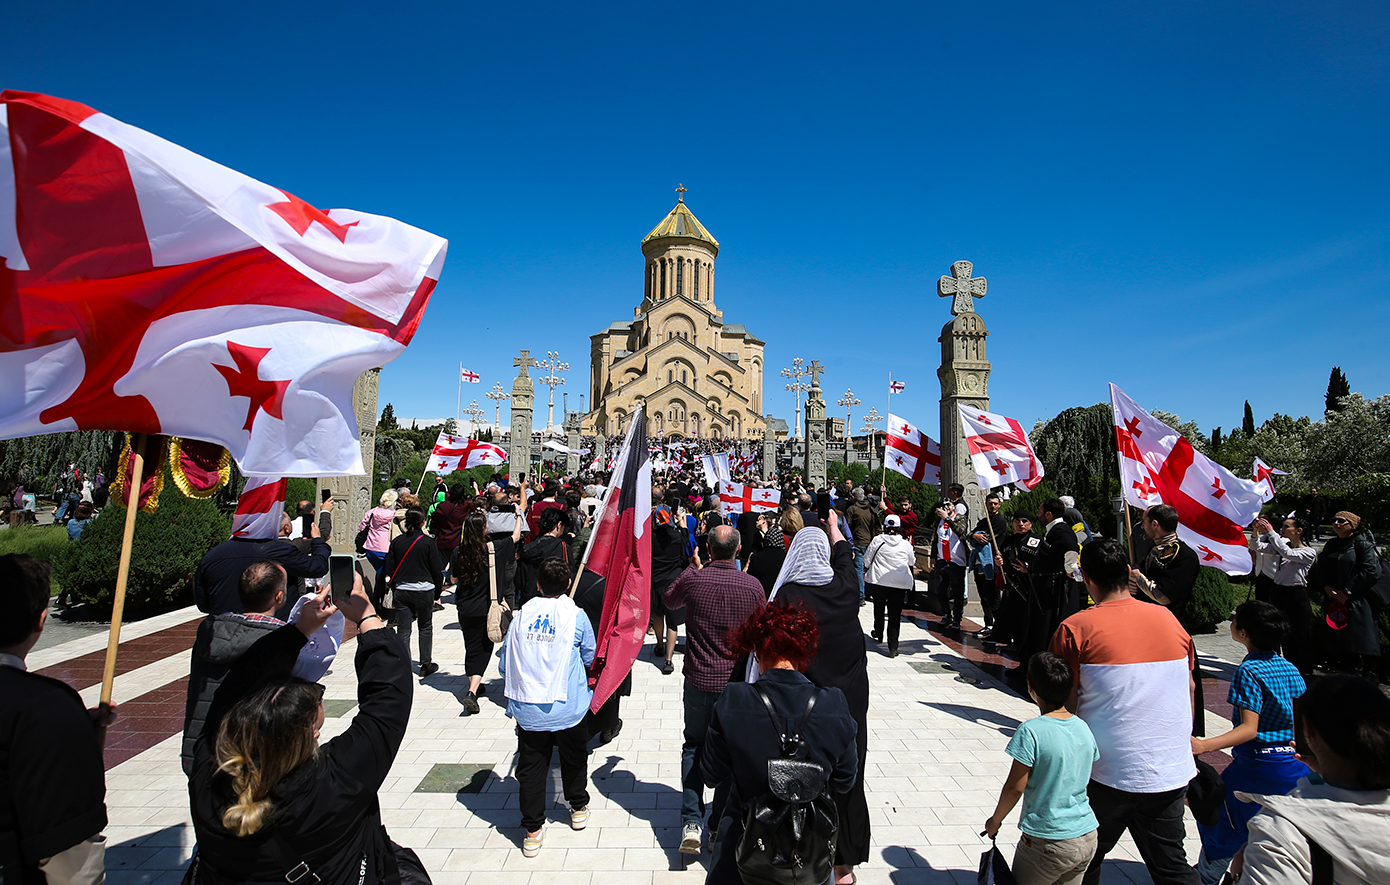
<point x="735" y="499"/>
<point x="621" y="551"/>
<point x="896" y="387"/>
<point x="1264" y="478"/>
<point x="911" y="452"/>
<point x="260" y="511"/>
<point x="1158" y="465"/>
<point x="468" y="375"/>
<point x="999" y="449"/>
<point x="460" y="453"/>
<point x="148" y="289"/>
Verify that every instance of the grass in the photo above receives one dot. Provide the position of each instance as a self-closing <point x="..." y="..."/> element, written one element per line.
<point x="43" y="542"/>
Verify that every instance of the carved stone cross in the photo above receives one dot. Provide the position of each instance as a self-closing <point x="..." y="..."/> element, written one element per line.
<point x="815" y="371"/>
<point x="525" y="360"/>
<point x="962" y="287"/>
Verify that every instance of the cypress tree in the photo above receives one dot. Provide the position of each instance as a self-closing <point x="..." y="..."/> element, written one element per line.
<point x="1337" y="388"/>
<point x="1248" y="425"/>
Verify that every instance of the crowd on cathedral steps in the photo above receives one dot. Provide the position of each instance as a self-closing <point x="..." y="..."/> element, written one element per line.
<point x="776" y="690"/>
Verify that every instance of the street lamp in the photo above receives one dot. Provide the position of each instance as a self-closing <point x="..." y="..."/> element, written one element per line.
<point x="797" y="386"/>
<point x="849" y="402"/>
<point x="550" y="365"/>
<point x="475" y="413"/>
<point x="497" y="394"/>
<point x="870" y="420"/>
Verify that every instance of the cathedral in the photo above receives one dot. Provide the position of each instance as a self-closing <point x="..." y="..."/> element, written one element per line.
<point x="698" y="375"/>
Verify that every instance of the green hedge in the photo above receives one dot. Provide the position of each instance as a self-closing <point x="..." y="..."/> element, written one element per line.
<point x="167" y="548"/>
<point x="48" y="543"/>
<point x="1213" y="599"/>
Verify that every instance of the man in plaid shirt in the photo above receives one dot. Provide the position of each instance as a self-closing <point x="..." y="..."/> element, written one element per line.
<point x="716" y="599"/>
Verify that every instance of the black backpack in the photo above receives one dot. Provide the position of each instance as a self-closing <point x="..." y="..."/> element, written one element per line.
<point x="789" y="832"/>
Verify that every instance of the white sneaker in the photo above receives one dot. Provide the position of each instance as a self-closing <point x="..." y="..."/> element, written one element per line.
<point x="531" y="845"/>
<point x="690" y="838"/>
<point x="579" y="818"/>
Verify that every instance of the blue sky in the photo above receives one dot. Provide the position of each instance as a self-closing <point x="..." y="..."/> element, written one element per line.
<point x="1187" y="199"/>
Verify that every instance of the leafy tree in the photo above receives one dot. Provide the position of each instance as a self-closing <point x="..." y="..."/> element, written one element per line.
<point x="1189" y="429"/>
<point x="1212" y="600"/>
<point x="1077" y="450"/>
<point x="1247" y="426"/>
<point x="49" y="454"/>
<point x="1283" y="441"/>
<point x="1337" y="389"/>
<point x="451" y="426"/>
<point x="1216" y="439"/>
<point x="1353" y="440"/>
<point x="388" y="418"/>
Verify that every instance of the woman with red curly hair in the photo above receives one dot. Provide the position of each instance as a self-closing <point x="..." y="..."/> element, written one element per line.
<point x="785" y="638"/>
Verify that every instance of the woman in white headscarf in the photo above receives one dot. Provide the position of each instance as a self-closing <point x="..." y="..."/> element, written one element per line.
<point x="819" y="573"/>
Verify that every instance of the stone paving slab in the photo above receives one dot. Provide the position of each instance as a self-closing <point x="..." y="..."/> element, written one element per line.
<point x="935" y="763"/>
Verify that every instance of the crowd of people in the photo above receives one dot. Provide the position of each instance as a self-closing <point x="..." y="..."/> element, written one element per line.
<point x="776" y="692"/>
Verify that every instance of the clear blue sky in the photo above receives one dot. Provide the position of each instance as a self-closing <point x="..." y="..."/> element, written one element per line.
<point x="1187" y="199"/>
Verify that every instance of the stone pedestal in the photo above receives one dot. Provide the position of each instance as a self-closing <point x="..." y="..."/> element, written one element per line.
<point x="601" y="450"/>
<point x="964" y="376"/>
<point x="817" y="432"/>
<point x="352" y="495"/>
<point x="769" y="451"/>
<point x="523" y="399"/>
<point x="572" y="441"/>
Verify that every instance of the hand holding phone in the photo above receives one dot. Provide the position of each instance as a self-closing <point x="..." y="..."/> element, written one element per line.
<point x="342" y="569"/>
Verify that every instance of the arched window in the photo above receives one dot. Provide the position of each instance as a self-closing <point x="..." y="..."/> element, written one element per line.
<point x="695" y="280"/>
<point x="670" y="376"/>
<point x="680" y="276"/>
<point x="663" y="278"/>
<point x="683" y="379"/>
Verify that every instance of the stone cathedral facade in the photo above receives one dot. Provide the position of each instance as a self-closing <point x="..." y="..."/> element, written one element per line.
<point x="697" y="375"/>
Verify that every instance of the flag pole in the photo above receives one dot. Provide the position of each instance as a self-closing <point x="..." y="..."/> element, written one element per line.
<point x="884" y="482"/>
<point x="458" y="406"/>
<point x="108" y="677"/>
<point x="1129" y="531"/>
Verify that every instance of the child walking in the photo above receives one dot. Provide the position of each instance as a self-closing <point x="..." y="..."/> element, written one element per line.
<point x="1263" y="762"/>
<point x="1052" y="755"/>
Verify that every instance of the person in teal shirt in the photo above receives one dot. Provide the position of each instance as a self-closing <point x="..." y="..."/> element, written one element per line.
<point x="1053" y="755"/>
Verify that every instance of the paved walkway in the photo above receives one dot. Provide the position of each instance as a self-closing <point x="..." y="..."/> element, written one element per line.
<point x="938" y="727"/>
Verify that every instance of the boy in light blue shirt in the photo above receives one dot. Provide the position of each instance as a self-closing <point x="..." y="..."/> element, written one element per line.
<point x="1053" y="755"/>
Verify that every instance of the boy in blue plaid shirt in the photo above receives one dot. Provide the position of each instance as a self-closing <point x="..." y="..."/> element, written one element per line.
<point x="1262" y="695"/>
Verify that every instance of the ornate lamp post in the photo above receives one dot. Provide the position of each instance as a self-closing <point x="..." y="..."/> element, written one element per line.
<point x="475" y="414"/>
<point x="550" y="365"/>
<point x="870" y="422"/>
<point x="797" y="387"/>
<point x="497" y="394"/>
<point x="849" y="402"/>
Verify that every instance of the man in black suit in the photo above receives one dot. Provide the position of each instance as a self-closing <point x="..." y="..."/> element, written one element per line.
<point x="1055" y="595"/>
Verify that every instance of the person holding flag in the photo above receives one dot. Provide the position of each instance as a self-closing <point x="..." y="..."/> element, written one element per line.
<point x="950" y="557"/>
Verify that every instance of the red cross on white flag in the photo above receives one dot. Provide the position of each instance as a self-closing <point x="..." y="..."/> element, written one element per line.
<point x="999" y="449"/>
<point x="896" y="387"/>
<point x="149" y="289"/>
<point x="1264" y="478"/>
<point x="735" y="499"/>
<point x="468" y="375"/>
<point x="460" y="453"/>
<point x="1158" y="465"/>
<point x="912" y="453"/>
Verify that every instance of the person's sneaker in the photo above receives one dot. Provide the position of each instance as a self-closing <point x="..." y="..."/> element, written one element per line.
<point x="531" y="844"/>
<point x="470" y="703"/>
<point x="579" y="818"/>
<point x="985" y="634"/>
<point x="690" y="838"/>
<point x="428" y="669"/>
<point x="668" y="668"/>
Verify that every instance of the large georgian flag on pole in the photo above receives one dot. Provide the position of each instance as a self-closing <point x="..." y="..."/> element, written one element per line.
<point x="1264" y="478"/>
<point x="911" y="452"/>
<point x="261" y="509"/>
<point x="146" y="288"/>
<point x="735" y="499"/>
<point x="460" y="453"/>
<point x="621" y="551"/>
<point x="1158" y="465"/>
<point x="999" y="449"/>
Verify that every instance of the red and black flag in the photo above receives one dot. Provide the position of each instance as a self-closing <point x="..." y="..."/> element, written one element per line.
<point x="621" y="551"/>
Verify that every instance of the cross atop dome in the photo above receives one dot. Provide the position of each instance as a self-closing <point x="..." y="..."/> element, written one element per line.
<point x="680" y="193"/>
<point x="681" y="223"/>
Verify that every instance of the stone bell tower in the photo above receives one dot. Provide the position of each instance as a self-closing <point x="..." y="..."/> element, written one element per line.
<point x="964" y="375"/>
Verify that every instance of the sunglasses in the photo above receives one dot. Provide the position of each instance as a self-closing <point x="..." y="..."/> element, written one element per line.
<point x="1340" y="521"/>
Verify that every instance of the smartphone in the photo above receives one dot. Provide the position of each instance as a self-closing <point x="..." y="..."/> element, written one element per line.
<point x="306" y="526"/>
<point x="341" y="569"/>
<point x="326" y="494"/>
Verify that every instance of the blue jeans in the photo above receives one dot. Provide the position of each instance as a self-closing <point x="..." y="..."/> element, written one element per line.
<point x="699" y="710"/>
<point x="859" y="568"/>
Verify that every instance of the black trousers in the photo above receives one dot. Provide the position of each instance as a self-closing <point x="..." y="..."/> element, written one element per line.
<point x="1293" y="602"/>
<point x="989" y="597"/>
<point x="533" y="767"/>
<point x="1155" y="820"/>
<point x="888" y="601"/>
<point x="950" y="590"/>
<point x="416" y="606"/>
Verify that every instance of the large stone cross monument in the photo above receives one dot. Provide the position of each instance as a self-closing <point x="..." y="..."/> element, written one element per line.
<point x="816" y="429"/>
<point x="572" y="443"/>
<point x="964" y="375"/>
<point x="769" y="451"/>
<point x="523" y="398"/>
<point x="352" y="495"/>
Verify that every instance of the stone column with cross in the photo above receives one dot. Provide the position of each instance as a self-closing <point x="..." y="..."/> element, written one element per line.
<point x="523" y="400"/>
<point x="964" y="376"/>
<point x="572" y="441"/>
<point x="352" y="495"/>
<point x="769" y="449"/>
<point x="816" y="430"/>
<point x="601" y="449"/>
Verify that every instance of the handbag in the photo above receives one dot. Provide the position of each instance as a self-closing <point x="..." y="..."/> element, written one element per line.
<point x="994" y="869"/>
<point x="361" y="541"/>
<point x="499" y="614"/>
<point x="388" y="589"/>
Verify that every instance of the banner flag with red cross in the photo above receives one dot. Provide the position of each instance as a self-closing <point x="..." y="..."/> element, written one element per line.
<point x="452" y="453"/>
<point x="1158" y="465"/>
<point x="735" y="499"/>
<point x="1263" y="476"/>
<point x="469" y="375"/>
<point x="911" y="452"/>
<point x="148" y="289"/>
<point x="999" y="449"/>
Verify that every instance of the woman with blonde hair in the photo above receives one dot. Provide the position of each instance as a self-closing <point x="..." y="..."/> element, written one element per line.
<point x="268" y="802"/>
<point x="377" y="523"/>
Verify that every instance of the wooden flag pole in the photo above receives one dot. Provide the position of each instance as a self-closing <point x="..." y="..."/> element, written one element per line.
<point x="887" y="417"/>
<point x="108" y="678"/>
<point x="1129" y="531"/>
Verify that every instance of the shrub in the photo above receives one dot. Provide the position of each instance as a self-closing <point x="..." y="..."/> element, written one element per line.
<point x="167" y="547"/>
<point x="48" y="543"/>
<point x="1213" y="599"/>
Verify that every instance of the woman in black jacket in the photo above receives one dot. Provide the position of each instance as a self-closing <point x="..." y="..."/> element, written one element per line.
<point x="267" y="798"/>
<point x="741" y="738"/>
<point x="414" y="572"/>
<point x="473" y="594"/>
<point x="1345" y="571"/>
